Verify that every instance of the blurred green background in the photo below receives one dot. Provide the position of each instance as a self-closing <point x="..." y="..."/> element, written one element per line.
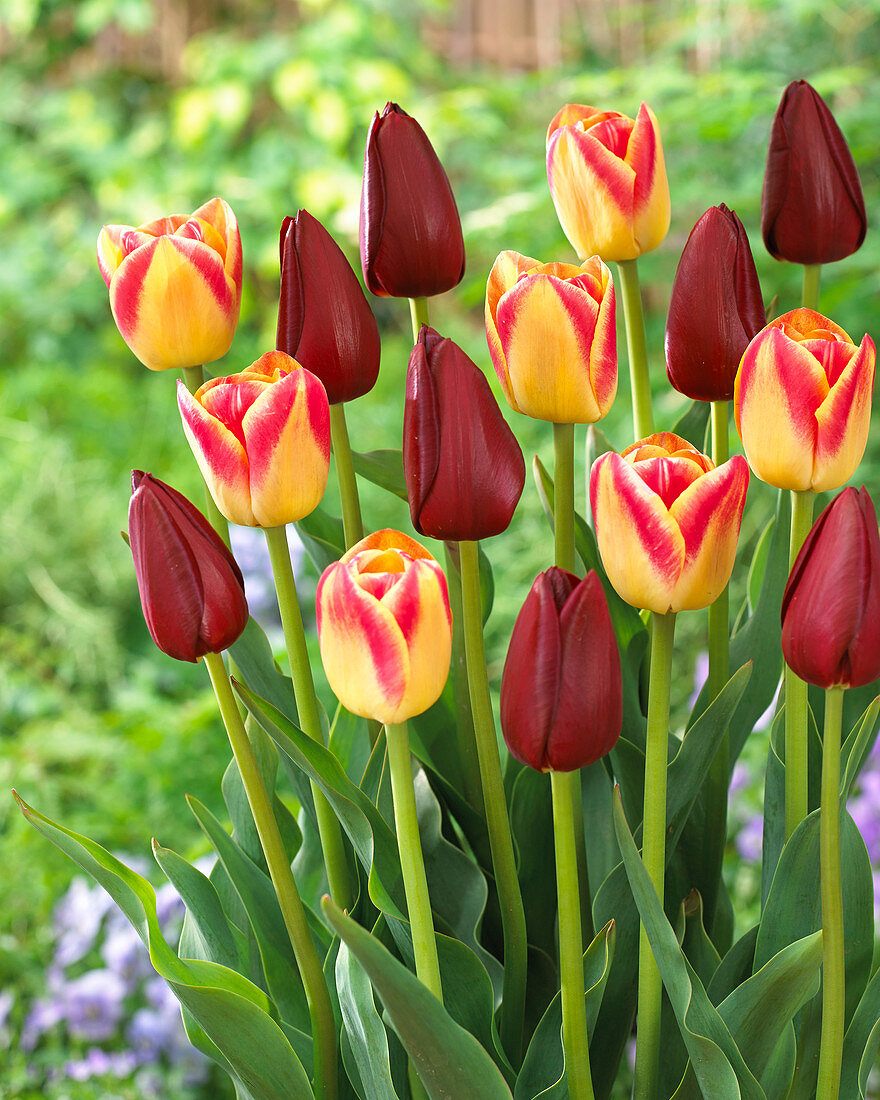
<point x="124" y="110"/>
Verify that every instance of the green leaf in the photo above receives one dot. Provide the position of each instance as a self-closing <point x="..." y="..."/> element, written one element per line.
<point x="364" y="1027"/>
<point x="719" y="1066"/>
<point x="736" y="966"/>
<point x="693" y="424"/>
<point x="383" y="468"/>
<point x="758" y="565"/>
<point x="531" y="824"/>
<point x="449" y="1060"/>
<point x="233" y="1012"/>
<point x="856" y="748"/>
<point x="543" y="1068"/>
<point x="861" y="1041"/>
<point x="322" y="536"/>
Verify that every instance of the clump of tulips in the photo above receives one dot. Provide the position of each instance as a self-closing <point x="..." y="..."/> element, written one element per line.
<point x="429" y="910"/>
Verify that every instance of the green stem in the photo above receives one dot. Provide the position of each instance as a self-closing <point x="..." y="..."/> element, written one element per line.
<point x="415" y="883"/>
<point x="311" y="971"/>
<point x="833" y="974"/>
<point x="654" y="851"/>
<point x="193" y="377"/>
<point x="563" y="496"/>
<point x="335" y="861"/>
<point x="513" y="919"/>
<point x="575" y="1039"/>
<point x="418" y="310"/>
<point x="796" y="707"/>
<point x="715" y="830"/>
<point x="812" y="278"/>
<point x="637" y="348"/>
<point x="352" y="524"/>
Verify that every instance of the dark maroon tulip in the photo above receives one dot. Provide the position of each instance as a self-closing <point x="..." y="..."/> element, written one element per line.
<point x="464" y="469"/>
<point x="715" y="308"/>
<point x="411" y="241"/>
<point x="324" y="319"/>
<point x="831" y="605"/>
<point x="812" y="209"/>
<point x="561" y="693"/>
<point x="192" y="591"/>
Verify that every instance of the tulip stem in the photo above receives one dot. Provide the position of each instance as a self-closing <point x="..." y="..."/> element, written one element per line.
<point x="812" y="279"/>
<point x="575" y="1038"/>
<point x="654" y="851"/>
<point x="513" y="919"/>
<point x="292" y="910"/>
<point x="718" y="779"/>
<point x="332" y="845"/>
<point x="833" y="973"/>
<point x="193" y="377"/>
<point x="796" y="705"/>
<point x="415" y="882"/>
<point x="637" y="348"/>
<point x="418" y="308"/>
<point x="352" y="524"/>
<point x="563" y="496"/>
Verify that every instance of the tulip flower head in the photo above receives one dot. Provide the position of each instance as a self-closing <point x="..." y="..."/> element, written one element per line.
<point x="324" y="321"/>
<point x="463" y="467"/>
<point x="261" y="439"/>
<point x="175" y="285"/>
<point x="384" y="628"/>
<point x="831" y="604"/>
<point x="191" y="588"/>
<point x="812" y="207"/>
<point x="667" y="522"/>
<point x="561" y="690"/>
<point x="552" y="336"/>
<point x="802" y="402"/>
<point x="410" y="230"/>
<point x="715" y="308"/>
<point x="608" y="181"/>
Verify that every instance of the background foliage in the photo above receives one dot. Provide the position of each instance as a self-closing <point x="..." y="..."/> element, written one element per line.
<point x="122" y="110"/>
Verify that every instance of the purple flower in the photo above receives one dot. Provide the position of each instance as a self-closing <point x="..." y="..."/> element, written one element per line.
<point x="750" y="839"/>
<point x="124" y="954"/>
<point x="93" y="1004"/>
<point x="152" y="1034"/>
<point x="44" y="1014"/>
<point x="77" y="920"/>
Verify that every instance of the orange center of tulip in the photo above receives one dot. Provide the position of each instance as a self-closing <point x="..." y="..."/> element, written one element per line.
<point x="228" y="399"/>
<point x="667" y="468"/>
<point x="379" y="570"/>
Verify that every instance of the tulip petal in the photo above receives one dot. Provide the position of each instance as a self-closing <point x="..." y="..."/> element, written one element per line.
<point x="421" y="430"/>
<point x="221" y="457"/>
<point x="843" y="419"/>
<point x="651" y="206"/>
<point x="641" y="546"/>
<point x="385" y="539"/>
<point x="111" y="250"/>
<point x="709" y="514"/>
<point x="505" y="271"/>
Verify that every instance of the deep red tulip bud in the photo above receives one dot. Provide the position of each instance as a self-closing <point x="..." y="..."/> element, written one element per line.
<point x="464" y="469"/>
<point x="715" y="308"/>
<point x="411" y="240"/>
<point x="191" y="589"/>
<point x="324" y="320"/>
<point x="831" y="605"/>
<point x="561" y="693"/>
<point x="812" y="208"/>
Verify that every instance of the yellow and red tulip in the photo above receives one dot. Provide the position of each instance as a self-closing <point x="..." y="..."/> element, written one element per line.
<point x="384" y="628"/>
<point x="175" y="285"/>
<point x="261" y="439"/>
<point x="608" y="181"/>
<point x="667" y="522"/>
<point x="802" y="402"/>
<point x="552" y="336"/>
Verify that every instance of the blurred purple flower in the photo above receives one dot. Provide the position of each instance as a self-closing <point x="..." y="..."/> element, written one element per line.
<point x="741" y="777"/>
<point x="93" y="1004"/>
<point x="124" y="954"/>
<point x="100" y="1063"/>
<point x="169" y="907"/>
<point x="44" y="1014"/>
<point x="151" y="1033"/>
<point x="750" y="839"/>
<point x="77" y="920"/>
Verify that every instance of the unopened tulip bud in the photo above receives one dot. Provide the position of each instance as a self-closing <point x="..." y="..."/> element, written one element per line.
<point x="464" y="469"/>
<point x="324" y="321"/>
<point x="411" y="240"/>
<point x="715" y="308"/>
<point x="175" y="285"/>
<point x="831" y="605"/>
<point x="812" y="208"/>
<point x="561" y="693"/>
<point x="384" y="628"/>
<point x="191" y="588"/>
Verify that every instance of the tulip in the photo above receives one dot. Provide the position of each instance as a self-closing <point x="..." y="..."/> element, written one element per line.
<point x="715" y="308"/>
<point x="261" y="439"/>
<point x="552" y="336"/>
<point x="831" y="605"/>
<point x="175" y="285"/>
<point x="463" y="467"/>
<point x="608" y="181"/>
<point x="410" y="231"/>
<point x="191" y="589"/>
<point x="324" y="321"/>
<point x="561" y="693"/>
<point x="667" y="522"/>
<point x="812" y="208"/>
<point x="802" y="402"/>
<point x="384" y="628"/>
